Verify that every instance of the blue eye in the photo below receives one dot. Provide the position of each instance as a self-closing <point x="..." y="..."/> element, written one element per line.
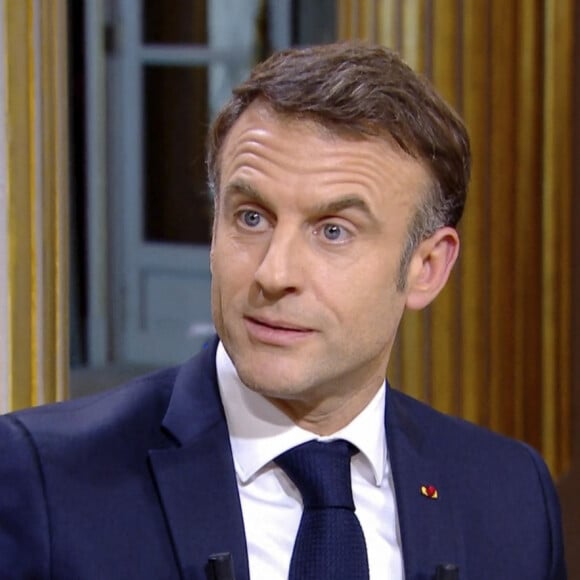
<point x="332" y="232"/>
<point x="251" y="218"/>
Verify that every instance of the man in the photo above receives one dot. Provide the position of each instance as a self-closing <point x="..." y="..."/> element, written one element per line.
<point x="339" y="176"/>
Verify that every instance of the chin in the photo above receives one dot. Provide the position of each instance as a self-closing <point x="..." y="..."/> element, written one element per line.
<point x="270" y="384"/>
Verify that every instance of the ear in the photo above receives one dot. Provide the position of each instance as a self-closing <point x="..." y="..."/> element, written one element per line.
<point x="430" y="267"/>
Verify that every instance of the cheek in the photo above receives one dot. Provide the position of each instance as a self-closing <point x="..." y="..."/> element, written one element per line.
<point x="231" y="266"/>
<point x="370" y="278"/>
<point x="363" y="295"/>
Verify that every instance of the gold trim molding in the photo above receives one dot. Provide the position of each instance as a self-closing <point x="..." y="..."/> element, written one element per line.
<point x="34" y="233"/>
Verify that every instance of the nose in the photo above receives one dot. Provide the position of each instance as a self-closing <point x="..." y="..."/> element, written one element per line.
<point x="280" y="270"/>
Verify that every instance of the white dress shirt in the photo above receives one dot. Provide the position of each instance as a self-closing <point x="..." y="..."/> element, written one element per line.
<point x="271" y="504"/>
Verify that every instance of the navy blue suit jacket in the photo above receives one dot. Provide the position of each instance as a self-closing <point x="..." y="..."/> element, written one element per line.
<point x="138" y="483"/>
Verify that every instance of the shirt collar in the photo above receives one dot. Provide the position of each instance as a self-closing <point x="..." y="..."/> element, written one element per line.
<point x="259" y="431"/>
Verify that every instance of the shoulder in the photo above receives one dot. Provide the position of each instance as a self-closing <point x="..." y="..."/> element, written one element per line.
<point x="437" y="430"/>
<point x="143" y="398"/>
<point x="127" y="418"/>
<point x="473" y="455"/>
<point x="500" y="488"/>
<point x="104" y="431"/>
<point x="65" y="464"/>
<point x="44" y="448"/>
<point x="475" y="460"/>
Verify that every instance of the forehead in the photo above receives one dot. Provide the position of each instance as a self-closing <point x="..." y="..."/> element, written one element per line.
<point x="263" y="142"/>
<point x="259" y="119"/>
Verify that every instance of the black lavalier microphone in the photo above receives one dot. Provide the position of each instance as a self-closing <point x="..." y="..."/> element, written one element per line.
<point x="220" y="566"/>
<point x="447" y="572"/>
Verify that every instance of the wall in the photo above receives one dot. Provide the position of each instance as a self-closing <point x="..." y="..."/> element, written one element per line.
<point x="33" y="203"/>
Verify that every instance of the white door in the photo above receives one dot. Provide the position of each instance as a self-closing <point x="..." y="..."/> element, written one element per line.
<point x="153" y="86"/>
<point x="170" y="67"/>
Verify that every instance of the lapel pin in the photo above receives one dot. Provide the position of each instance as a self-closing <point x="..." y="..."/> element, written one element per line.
<point x="429" y="491"/>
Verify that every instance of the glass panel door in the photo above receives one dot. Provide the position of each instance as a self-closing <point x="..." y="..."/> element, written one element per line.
<point x="173" y="65"/>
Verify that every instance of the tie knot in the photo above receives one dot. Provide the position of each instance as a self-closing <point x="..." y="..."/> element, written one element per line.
<point x="321" y="472"/>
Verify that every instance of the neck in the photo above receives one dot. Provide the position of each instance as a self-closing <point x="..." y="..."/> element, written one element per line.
<point x="328" y="416"/>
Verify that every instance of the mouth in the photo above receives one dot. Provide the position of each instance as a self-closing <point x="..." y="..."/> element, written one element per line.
<point x="275" y="332"/>
<point x="278" y="324"/>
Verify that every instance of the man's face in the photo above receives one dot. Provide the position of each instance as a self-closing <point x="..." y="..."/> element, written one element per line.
<point x="308" y="235"/>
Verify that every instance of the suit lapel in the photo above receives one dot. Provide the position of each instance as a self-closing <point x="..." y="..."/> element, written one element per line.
<point x="196" y="479"/>
<point x="429" y="532"/>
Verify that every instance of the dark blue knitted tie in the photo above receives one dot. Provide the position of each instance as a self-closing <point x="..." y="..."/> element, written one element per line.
<point x="330" y="543"/>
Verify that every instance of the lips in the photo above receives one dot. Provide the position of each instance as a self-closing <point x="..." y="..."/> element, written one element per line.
<point x="278" y="324"/>
<point x="275" y="332"/>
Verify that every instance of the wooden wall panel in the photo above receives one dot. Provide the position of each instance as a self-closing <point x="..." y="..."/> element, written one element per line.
<point x="495" y="346"/>
<point x="20" y="208"/>
<point x="474" y="266"/>
<point x="502" y="132"/>
<point x="34" y="341"/>
<point x="556" y="227"/>
<point x="445" y="72"/>
<point x="528" y="215"/>
<point x="409" y="35"/>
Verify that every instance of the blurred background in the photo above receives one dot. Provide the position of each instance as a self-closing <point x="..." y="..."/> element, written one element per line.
<point x="105" y="215"/>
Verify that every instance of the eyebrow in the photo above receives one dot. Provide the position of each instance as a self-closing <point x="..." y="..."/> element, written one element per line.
<point x="349" y="201"/>
<point x="344" y="203"/>
<point x="238" y="187"/>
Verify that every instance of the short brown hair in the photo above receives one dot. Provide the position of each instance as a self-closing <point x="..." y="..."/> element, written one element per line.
<point x="362" y="90"/>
